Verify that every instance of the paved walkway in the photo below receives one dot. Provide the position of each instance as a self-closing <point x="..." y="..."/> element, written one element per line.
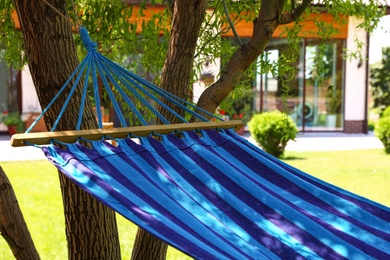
<point x="334" y="142"/>
<point x="9" y="153"/>
<point x="304" y="142"/>
<point x="331" y="142"/>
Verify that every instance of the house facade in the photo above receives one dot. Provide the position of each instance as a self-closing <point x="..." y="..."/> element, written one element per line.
<point x="339" y="105"/>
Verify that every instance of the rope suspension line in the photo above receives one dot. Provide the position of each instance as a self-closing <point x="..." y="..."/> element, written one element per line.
<point x="126" y="92"/>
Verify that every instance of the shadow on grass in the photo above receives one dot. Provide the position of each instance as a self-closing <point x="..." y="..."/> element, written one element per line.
<point x="292" y="158"/>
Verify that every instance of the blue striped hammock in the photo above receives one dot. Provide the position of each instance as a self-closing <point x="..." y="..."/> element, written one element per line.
<point x="214" y="195"/>
<point x="217" y="196"/>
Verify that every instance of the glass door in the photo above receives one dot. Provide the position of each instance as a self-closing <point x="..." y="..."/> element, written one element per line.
<point x="4" y="86"/>
<point x="276" y="90"/>
<point x="323" y="95"/>
<point x="314" y="103"/>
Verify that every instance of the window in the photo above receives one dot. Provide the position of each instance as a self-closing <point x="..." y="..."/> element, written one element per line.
<point x="10" y="91"/>
<point x="314" y="104"/>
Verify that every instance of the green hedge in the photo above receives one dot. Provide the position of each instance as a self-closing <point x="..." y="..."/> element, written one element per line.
<point x="272" y="131"/>
<point x="386" y="112"/>
<point x="382" y="129"/>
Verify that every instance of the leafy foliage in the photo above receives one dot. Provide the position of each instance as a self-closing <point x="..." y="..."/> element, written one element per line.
<point x="386" y="112"/>
<point x="272" y="131"/>
<point x="238" y="107"/>
<point x="382" y="131"/>
<point x="11" y="40"/>
<point x="140" y="44"/>
<point x="333" y="101"/>
<point x="380" y="82"/>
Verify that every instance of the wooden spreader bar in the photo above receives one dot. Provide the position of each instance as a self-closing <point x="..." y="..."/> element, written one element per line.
<point x="123" y="132"/>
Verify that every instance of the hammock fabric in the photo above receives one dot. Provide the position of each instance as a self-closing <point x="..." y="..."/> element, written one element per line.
<point x="214" y="195"/>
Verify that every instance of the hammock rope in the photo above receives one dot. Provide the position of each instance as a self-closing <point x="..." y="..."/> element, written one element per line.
<point x="116" y="77"/>
<point x="122" y="87"/>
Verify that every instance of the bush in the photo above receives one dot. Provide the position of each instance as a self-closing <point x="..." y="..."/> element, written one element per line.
<point x="380" y="81"/>
<point x="386" y="112"/>
<point x="382" y="131"/>
<point x="272" y="131"/>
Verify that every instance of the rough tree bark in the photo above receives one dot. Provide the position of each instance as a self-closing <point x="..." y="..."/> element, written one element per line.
<point x="181" y="49"/>
<point x="91" y="228"/>
<point x="12" y="224"/>
<point x="180" y="56"/>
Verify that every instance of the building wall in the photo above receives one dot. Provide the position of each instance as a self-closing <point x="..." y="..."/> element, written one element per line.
<point x="31" y="108"/>
<point x="355" y="82"/>
<point x="29" y="95"/>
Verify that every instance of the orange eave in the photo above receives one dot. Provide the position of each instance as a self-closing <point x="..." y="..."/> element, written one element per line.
<point x="14" y="16"/>
<point x="148" y="14"/>
<point x="245" y="29"/>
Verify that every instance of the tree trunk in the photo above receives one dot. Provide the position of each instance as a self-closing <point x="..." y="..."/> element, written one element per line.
<point x="91" y="228"/>
<point x="148" y="247"/>
<point x="12" y="225"/>
<point x="181" y="49"/>
<point x="180" y="56"/>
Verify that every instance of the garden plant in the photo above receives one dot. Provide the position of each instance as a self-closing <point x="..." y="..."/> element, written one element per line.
<point x="382" y="129"/>
<point x="272" y="131"/>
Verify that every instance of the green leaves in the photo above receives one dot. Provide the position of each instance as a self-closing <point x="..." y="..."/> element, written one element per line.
<point x="380" y="82"/>
<point x="272" y="131"/>
<point x="382" y="131"/>
<point x="11" y="40"/>
<point x="108" y="23"/>
<point x="144" y="51"/>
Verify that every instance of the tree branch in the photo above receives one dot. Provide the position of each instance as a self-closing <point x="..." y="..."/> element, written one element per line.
<point x="13" y="227"/>
<point x="295" y="13"/>
<point x="225" y="9"/>
<point x="263" y="27"/>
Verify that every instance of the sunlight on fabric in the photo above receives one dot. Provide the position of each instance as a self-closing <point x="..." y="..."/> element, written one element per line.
<point x="217" y="193"/>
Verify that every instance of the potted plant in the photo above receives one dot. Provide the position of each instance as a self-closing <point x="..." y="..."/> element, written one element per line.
<point x="240" y="109"/>
<point x="333" y="106"/>
<point x="14" y="122"/>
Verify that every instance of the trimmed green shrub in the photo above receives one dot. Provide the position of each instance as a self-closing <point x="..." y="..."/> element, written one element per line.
<point x="272" y="131"/>
<point x="380" y="81"/>
<point x="382" y="131"/>
<point x="386" y="112"/>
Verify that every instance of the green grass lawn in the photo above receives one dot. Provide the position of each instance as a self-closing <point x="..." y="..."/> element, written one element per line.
<point x="37" y="188"/>
<point x="364" y="172"/>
